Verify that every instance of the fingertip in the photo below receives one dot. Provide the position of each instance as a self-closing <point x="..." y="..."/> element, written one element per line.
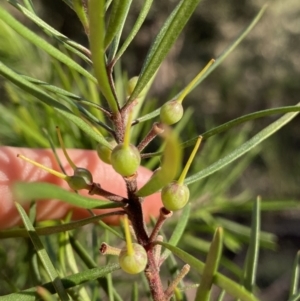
<point x="14" y="169"/>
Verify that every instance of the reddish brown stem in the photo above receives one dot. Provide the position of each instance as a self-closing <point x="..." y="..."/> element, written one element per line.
<point x="119" y="125"/>
<point x="155" y="130"/>
<point x="150" y="155"/>
<point x="163" y="215"/>
<point x="152" y="274"/>
<point x="135" y="212"/>
<point x="170" y="290"/>
<point x="96" y="189"/>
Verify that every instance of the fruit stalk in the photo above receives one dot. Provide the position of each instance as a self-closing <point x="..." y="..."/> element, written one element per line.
<point x="154" y="131"/>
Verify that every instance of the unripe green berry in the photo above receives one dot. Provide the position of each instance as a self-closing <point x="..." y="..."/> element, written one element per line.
<point x="85" y="174"/>
<point x="175" y="196"/>
<point x="131" y="86"/>
<point x="104" y="152"/>
<point x="81" y="179"/>
<point x="125" y="159"/>
<point x="76" y="183"/>
<point x="171" y="112"/>
<point x="135" y="263"/>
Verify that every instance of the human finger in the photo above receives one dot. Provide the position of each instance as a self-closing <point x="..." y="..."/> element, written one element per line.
<point x="13" y="169"/>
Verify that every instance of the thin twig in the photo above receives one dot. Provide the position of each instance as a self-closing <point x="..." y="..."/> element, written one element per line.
<point x="170" y="290"/>
<point x="96" y="189"/>
<point x="154" y="131"/>
<point x="163" y="215"/>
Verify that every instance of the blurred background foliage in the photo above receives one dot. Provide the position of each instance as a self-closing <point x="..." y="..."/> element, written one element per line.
<point x="263" y="72"/>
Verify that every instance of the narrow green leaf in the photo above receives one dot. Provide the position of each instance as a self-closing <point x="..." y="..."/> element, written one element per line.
<point x="83" y="253"/>
<point x="110" y="229"/>
<point x="244" y="148"/>
<point x="266" y="240"/>
<point x="148" y="116"/>
<point x="221" y="296"/>
<point x="42" y="44"/>
<point x="137" y="25"/>
<point x="160" y="36"/>
<point x="135" y="292"/>
<point x="41" y="190"/>
<point x="66" y="255"/>
<point x="163" y="43"/>
<point x="80" y="8"/>
<point x="211" y="266"/>
<point x="68" y="282"/>
<point x="240" y="120"/>
<point x="29" y="5"/>
<point x="69" y="3"/>
<point x="223" y="282"/>
<point x="110" y="287"/>
<point x="295" y="298"/>
<point x="232" y="46"/>
<point x="117" y="297"/>
<point x="266" y="205"/>
<point x="96" y="10"/>
<point x="228" y="125"/>
<point x="24" y="84"/>
<point x="44" y="294"/>
<point x="218" y="61"/>
<point x="66" y="247"/>
<point x="295" y="277"/>
<point x="107" y="4"/>
<point x="36" y="136"/>
<point x="61" y="227"/>
<point x="197" y="243"/>
<point x="72" y="99"/>
<point x="116" y="40"/>
<point x="49" y="30"/>
<point x="86" y="128"/>
<point x="178" y="231"/>
<point x="117" y="19"/>
<point x="61" y="256"/>
<point x="169" y="167"/>
<point x="43" y="256"/>
<point x="253" y="249"/>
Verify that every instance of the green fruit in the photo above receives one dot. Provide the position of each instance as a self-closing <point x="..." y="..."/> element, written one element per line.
<point x="171" y="112"/>
<point x="135" y="263"/>
<point x="77" y="183"/>
<point x="125" y="159"/>
<point x="104" y="152"/>
<point x="131" y="86"/>
<point x="81" y="179"/>
<point x="85" y="174"/>
<point x="175" y="196"/>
